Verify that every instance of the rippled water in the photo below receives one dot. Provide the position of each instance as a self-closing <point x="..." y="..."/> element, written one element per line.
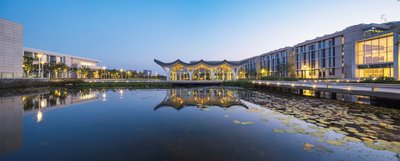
<point x="193" y="124"/>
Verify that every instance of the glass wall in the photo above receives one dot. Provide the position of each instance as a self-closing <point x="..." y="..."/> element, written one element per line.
<point x="375" y="72"/>
<point x="374" y="51"/>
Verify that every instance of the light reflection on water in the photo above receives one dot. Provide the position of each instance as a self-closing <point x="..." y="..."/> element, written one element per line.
<point x="193" y="124"/>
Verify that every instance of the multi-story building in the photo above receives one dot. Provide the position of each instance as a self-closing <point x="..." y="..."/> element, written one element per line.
<point x="251" y="67"/>
<point x="12" y="53"/>
<point x="277" y="63"/>
<point x="359" y="51"/>
<point x="42" y="57"/>
<point x="10" y="49"/>
<point x="321" y="57"/>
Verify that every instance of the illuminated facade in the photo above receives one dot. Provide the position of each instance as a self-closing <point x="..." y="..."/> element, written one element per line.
<point x="201" y="70"/>
<point x="72" y="62"/>
<point x="359" y="51"/>
<point x="375" y="57"/>
<point x="320" y="58"/>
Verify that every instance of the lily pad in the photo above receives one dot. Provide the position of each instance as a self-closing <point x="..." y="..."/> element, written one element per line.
<point x="352" y="139"/>
<point x="374" y="146"/>
<point x="278" y="130"/>
<point x="236" y="121"/>
<point x="335" y="142"/>
<point x="308" y="147"/>
<point x="247" y="123"/>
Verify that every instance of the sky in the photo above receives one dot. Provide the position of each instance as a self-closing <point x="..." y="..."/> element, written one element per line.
<point x="129" y="34"/>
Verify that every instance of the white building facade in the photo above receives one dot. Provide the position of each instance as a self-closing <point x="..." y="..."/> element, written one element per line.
<point x="10" y="49"/>
<point x="42" y="57"/>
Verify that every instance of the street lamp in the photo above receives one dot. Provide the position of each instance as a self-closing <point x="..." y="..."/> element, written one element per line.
<point x="121" y="70"/>
<point x="39" y="72"/>
<point x="104" y="72"/>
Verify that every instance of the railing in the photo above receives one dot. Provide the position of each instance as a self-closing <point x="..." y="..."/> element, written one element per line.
<point x="339" y="86"/>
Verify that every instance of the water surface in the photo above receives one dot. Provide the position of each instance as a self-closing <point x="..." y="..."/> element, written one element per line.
<point x="207" y="123"/>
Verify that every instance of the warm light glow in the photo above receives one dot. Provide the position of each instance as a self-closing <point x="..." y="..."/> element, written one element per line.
<point x="87" y="64"/>
<point x="39" y="116"/>
<point x="42" y="103"/>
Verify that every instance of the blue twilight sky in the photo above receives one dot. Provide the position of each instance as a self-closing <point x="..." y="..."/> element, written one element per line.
<point x="129" y="34"/>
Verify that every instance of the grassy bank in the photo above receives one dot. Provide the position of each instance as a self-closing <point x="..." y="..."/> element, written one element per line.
<point x="143" y="85"/>
<point x="239" y="83"/>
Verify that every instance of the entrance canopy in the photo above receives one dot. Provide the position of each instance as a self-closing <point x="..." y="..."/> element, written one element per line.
<point x="201" y="70"/>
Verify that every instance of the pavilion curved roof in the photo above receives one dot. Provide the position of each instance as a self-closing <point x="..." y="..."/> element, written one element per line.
<point x="194" y="63"/>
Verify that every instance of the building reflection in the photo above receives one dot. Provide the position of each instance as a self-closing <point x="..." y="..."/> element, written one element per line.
<point x="200" y="97"/>
<point x="13" y="108"/>
<point x="10" y="124"/>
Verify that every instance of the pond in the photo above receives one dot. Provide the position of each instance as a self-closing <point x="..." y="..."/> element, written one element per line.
<point x="207" y="123"/>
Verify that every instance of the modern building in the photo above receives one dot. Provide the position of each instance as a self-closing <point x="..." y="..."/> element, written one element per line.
<point x="42" y="57"/>
<point x="321" y="57"/>
<point x="359" y="51"/>
<point x="201" y="70"/>
<point x="10" y="49"/>
<point x="278" y="63"/>
<point x="12" y="55"/>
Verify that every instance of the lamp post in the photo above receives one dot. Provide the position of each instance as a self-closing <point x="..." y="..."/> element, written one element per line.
<point x="121" y="70"/>
<point x="104" y="71"/>
<point x="39" y="72"/>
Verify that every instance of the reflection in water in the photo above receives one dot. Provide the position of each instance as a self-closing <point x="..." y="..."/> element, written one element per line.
<point x="200" y="97"/>
<point x="12" y="109"/>
<point x="376" y="127"/>
<point x="10" y="124"/>
<point x="251" y="125"/>
<point x="56" y="98"/>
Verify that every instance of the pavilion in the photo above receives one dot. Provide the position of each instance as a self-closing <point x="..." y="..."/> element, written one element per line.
<point x="201" y="70"/>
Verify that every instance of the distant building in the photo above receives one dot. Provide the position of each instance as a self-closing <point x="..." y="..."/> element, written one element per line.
<point x="147" y="73"/>
<point x="72" y="62"/>
<point x="10" y="49"/>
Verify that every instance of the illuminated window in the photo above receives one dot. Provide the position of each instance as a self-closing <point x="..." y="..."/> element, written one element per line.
<point x="375" y="72"/>
<point x="379" y="50"/>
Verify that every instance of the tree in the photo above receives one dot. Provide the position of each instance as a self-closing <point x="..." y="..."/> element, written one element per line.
<point x="64" y="69"/>
<point x="84" y="71"/>
<point x="28" y="65"/>
<point x="55" y="68"/>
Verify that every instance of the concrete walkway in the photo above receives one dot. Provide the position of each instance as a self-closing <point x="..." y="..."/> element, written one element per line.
<point x="390" y="91"/>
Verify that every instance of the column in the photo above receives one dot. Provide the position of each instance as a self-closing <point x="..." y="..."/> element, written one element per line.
<point x="396" y="66"/>
<point x="168" y="72"/>
<point x="212" y="71"/>
<point x="234" y="71"/>
<point x="190" y="74"/>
